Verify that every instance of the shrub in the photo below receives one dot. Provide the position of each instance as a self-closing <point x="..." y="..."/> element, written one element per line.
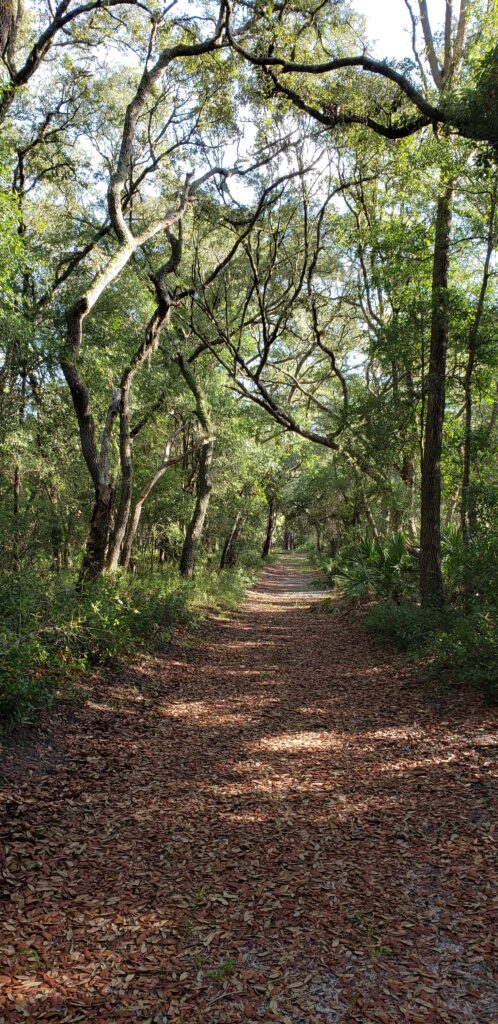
<point x="26" y="685"/>
<point x="113" y="615"/>
<point x="49" y="631"/>
<point x="449" y="646"/>
<point x="27" y="667"/>
<point x="374" y="569"/>
<point x="223" y="588"/>
<point x="467" y="653"/>
<point x="475" y="570"/>
<point x="407" y="625"/>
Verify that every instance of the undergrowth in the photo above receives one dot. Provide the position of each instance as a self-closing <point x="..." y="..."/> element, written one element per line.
<point x="369" y="568"/>
<point x="50" y="634"/>
<point x="449" y="646"/>
<point x="456" y="644"/>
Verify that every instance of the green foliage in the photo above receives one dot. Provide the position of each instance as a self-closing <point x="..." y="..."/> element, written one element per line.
<point x="335" y="341"/>
<point x="406" y="625"/>
<point x="476" y="104"/>
<point x="111" y="616"/>
<point x="449" y="646"/>
<point x="472" y="573"/>
<point x="373" y="568"/>
<point x="224" y="969"/>
<point x="50" y="633"/>
<point x="467" y="652"/>
<point x="223" y="589"/>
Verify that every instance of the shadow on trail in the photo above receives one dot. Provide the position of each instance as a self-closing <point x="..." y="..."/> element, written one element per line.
<point x="284" y="798"/>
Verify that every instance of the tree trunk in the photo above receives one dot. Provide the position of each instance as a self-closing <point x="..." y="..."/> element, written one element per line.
<point x="134" y="519"/>
<point x="408" y="478"/>
<point x="126" y="464"/>
<point x="94" y="559"/>
<point x="131" y="532"/>
<point x="472" y="352"/>
<point x="97" y="462"/>
<point x="431" y="577"/>
<point x="229" y="553"/>
<point x="149" y="345"/>
<point x="356" y="513"/>
<point x="369" y="517"/>
<point x="203" y="484"/>
<point x="203" y="497"/>
<point x="270" y="523"/>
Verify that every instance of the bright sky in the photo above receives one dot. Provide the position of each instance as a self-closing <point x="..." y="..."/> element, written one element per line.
<point x="390" y="26"/>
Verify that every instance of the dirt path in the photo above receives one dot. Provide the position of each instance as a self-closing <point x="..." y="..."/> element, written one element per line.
<point x="275" y="826"/>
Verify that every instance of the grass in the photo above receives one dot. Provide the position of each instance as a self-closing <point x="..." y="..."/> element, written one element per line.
<point x="224" y="969"/>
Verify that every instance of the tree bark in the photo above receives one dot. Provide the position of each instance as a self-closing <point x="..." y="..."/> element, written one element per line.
<point x="431" y="577"/>
<point x="203" y="497"/>
<point x="97" y="542"/>
<point x="229" y="553"/>
<point x="98" y="466"/>
<point x="148" y="346"/>
<point x="270" y="523"/>
<point x="134" y="519"/>
<point x="204" y="485"/>
<point x="126" y="465"/>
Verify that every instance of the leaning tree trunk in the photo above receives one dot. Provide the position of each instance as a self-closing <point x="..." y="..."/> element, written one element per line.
<point x="131" y="532"/>
<point x="203" y="497"/>
<point x="146" y="349"/>
<point x="126" y="464"/>
<point x="97" y="461"/>
<point x="431" y="577"/>
<point x="134" y="518"/>
<point x="229" y="553"/>
<point x="270" y="523"/>
<point x="203" y="484"/>
<point x="8" y="26"/>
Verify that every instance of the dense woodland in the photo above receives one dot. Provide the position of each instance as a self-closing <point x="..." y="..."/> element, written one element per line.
<point x="249" y="301"/>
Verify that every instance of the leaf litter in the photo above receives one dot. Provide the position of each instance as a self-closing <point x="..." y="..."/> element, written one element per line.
<point x="278" y="825"/>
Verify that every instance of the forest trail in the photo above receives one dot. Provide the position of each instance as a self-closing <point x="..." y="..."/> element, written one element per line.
<point x="270" y="823"/>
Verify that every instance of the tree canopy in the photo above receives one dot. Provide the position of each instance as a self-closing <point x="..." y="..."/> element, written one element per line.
<point x="248" y="279"/>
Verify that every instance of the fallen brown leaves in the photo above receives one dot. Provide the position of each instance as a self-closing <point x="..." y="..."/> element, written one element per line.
<point x="274" y="826"/>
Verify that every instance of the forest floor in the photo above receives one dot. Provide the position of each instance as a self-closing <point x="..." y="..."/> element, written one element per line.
<point x="269" y="822"/>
